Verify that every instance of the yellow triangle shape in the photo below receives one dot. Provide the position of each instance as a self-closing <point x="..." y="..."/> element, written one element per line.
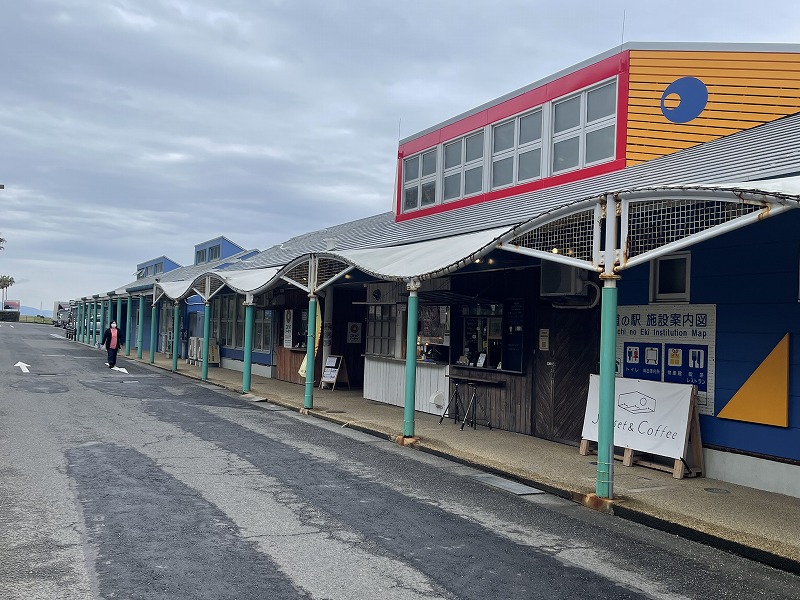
<point x="764" y="397"/>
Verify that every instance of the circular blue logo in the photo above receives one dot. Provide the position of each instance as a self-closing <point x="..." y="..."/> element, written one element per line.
<point x="692" y="95"/>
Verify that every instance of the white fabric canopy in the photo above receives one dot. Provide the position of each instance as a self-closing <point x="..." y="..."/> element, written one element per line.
<point x="416" y="260"/>
<point x="249" y="280"/>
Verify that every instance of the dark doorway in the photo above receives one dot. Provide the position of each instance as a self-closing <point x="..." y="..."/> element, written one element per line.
<point x="561" y="379"/>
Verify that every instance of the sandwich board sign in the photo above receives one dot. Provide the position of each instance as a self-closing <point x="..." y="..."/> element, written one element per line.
<point x="334" y="371"/>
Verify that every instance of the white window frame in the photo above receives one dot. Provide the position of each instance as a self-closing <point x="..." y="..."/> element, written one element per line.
<point x="199" y="256"/>
<point x="580" y="131"/>
<point x="214" y="250"/>
<point x="545" y="144"/>
<point x="656" y="295"/>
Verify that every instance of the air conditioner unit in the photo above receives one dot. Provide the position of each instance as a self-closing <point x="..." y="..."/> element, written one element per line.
<point x="561" y="280"/>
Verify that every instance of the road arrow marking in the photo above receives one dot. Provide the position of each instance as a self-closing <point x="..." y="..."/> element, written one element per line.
<point x="23" y="366"/>
<point x="124" y="370"/>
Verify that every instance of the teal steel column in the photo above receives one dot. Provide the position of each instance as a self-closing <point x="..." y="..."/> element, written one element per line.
<point x="119" y="312"/>
<point x="176" y="335"/>
<point x="605" y="425"/>
<point x="308" y="401"/>
<point x="78" y="325"/>
<point x="102" y="319"/>
<point x="140" y="327"/>
<point x="206" y="338"/>
<point x="128" y="316"/>
<point x="604" y="486"/>
<point x="248" y="347"/>
<point x="153" y="330"/>
<point x="411" y="360"/>
<point x="92" y="317"/>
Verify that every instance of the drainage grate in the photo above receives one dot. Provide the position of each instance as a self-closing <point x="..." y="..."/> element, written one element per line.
<point x="717" y="490"/>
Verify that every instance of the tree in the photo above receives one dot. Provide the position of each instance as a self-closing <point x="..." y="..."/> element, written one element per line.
<point x="2" y="242"/>
<point x="5" y="283"/>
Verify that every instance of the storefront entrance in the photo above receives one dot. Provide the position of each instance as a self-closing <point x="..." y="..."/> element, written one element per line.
<point x="568" y="351"/>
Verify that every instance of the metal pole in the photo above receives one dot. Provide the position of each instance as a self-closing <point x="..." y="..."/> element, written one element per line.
<point x="604" y="486"/>
<point x="175" y="335"/>
<point x="206" y="336"/>
<point x="119" y="312"/>
<point x="248" y="345"/>
<point x="153" y="325"/>
<point x="140" y="327"/>
<point x="308" y="401"/>
<point x="411" y="359"/>
<point x="128" y="325"/>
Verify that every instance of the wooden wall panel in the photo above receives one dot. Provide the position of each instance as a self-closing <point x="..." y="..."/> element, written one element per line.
<point x="508" y="403"/>
<point x="745" y="89"/>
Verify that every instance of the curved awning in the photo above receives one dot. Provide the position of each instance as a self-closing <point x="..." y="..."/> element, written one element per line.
<point x="654" y="221"/>
<point x="206" y="285"/>
<point x="421" y="260"/>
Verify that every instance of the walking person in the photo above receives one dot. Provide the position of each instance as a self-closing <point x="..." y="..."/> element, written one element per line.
<point x="112" y="340"/>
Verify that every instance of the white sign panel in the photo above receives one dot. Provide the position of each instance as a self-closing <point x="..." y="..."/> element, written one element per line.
<point x="288" y="316"/>
<point x="354" y="333"/>
<point x="673" y="343"/>
<point x="649" y="416"/>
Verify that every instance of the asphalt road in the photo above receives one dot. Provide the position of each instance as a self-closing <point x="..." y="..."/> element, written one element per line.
<point x="148" y="485"/>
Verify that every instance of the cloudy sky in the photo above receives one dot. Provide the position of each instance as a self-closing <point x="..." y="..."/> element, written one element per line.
<point x="131" y="129"/>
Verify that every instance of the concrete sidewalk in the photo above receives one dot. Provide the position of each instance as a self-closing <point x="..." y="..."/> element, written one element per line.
<point x="760" y="525"/>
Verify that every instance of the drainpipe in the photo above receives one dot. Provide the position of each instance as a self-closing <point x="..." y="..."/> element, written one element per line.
<point x="206" y="336"/>
<point x="140" y="327"/>
<point x="411" y="358"/>
<point x="153" y="324"/>
<point x="176" y="335"/>
<point x="248" y="343"/>
<point x="604" y="486"/>
<point x="128" y="326"/>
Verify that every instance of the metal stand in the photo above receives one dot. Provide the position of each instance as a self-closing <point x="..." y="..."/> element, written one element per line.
<point x="472" y="409"/>
<point x="456" y="404"/>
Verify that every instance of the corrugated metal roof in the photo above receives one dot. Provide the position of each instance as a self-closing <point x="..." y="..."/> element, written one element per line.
<point x="765" y="151"/>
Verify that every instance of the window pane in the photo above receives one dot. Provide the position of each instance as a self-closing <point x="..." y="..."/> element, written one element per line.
<point x="672" y="276"/>
<point x="568" y="114"/>
<point x="502" y="172"/>
<point x="411" y="169"/>
<point x="473" y="181"/>
<point x="503" y="137"/>
<point x="530" y="165"/>
<point x="428" y="193"/>
<point x="258" y="337"/>
<point x="452" y="154"/>
<point x="475" y="147"/>
<point x="565" y="154"/>
<point x="530" y="128"/>
<point x="410" y="198"/>
<point x="600" y="144"/>
<point x="601" y="102"/>
<point x="452" y="186"/>
<point x="429" y="163"/>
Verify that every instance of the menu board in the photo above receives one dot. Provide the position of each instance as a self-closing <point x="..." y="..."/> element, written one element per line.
<point x="513" y="332"/>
